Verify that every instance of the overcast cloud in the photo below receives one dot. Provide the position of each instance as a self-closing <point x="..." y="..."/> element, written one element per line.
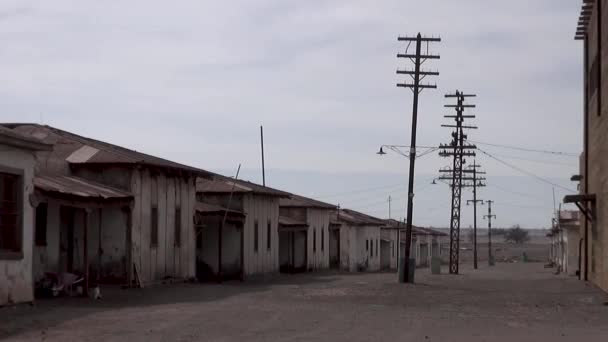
<point x="192" y="81"/>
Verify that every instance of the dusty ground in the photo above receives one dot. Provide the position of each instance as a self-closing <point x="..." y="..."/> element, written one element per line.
<point x="510" y="302"/>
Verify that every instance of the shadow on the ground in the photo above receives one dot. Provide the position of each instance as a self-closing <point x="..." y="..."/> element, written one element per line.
<point x="47" y="313"/>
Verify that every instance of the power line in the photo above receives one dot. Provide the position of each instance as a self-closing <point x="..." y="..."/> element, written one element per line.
<point x="360" y="190"/>
<point x="527" y="149"/>
<point x="516" y="192"/>
<point x="536" y="161"/>
<point x="525" y="172"/>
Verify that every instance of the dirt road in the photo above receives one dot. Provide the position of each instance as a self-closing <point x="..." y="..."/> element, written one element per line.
<point x="509" y="302"/>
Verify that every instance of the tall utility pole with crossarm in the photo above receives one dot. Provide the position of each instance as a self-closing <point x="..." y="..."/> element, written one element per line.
<point x="457" y="149"/>
<point x="417" y="75"/>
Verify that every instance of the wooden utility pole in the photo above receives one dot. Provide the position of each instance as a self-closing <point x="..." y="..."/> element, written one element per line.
<point x="489" y="217"/>
<point x="417" y="75"/>
<point x="457" y="149"/>
<point x="263" y="166"/>
<point x="389" y="206"/>
<point x="477" y="182"/>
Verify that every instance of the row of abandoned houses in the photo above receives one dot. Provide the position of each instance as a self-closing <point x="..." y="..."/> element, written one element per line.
<point x="566" y="243"/>
<point x="114" y="215"/>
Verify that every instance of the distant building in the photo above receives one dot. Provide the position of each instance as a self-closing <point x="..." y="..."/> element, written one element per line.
<point x="360" y="237"/>
<point x="566" y="242"/>
<point x="593" y="200"/>
<point x="17" y="163"/>
<point x="426" y="244"/>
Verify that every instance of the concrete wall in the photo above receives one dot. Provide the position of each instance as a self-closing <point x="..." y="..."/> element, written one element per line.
<point x="597" y="176"/>
<point x="166" y="259"/>
<point x="16" y="275"/>
<point x="264" y="210"/>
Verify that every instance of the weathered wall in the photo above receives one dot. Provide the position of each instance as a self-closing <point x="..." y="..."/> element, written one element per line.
<point x="598" y="142"/>
<point x="106" y="246"/>
<point x="167" y="258"/>
<point x="299" y="249"/>
<point x="318" y="229"/>
<point x="264" y="210"/>
<point x="46" y="258"/>
<point x="284" y="248"/>
<point x="16" y="275"/>
<point x="231" y="246"/>
<point x="356" y="248"/>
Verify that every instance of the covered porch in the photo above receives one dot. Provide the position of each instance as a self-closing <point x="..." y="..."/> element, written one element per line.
<point x="293" y="245"/>
<point x="81" y="232"/>
<point x="219" y="243"/>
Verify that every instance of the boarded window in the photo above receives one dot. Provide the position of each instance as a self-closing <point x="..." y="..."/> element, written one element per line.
<point x="255" y="236"/>
<point x="323" y="239"/>
<point x="314" y="240"/>
<point x="11" y="207"/>
<point x="41" y="214"/>
<point x="154" y="227"/>
<point x="268" y="235"/>
<point x="371" y="249"/>
<point x="178" y="226"/>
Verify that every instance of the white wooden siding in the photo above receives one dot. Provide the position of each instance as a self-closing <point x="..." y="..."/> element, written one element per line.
<point x="262" y="209"/>
<point x="166" y="259"/>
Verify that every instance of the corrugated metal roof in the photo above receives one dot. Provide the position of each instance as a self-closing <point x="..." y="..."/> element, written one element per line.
<point x="291" y="222"/>
<point x="222" y="184"/>
<point x="106" y="153"/>
<point x="75" y="186"/>
<point x="305" y="202"/>
<point x="214" y="209"/>
<point x="356" y="218"/>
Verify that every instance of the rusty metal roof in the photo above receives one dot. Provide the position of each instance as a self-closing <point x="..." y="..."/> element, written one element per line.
<point x="358" y="219"/>
<point x="224" y="185"/>
<point x="305" y="202"/>
<point x="214" y="209"/>
<point x="83" y="151"/>
<point x="78" y="187"/>
<point x="291" y="222"/>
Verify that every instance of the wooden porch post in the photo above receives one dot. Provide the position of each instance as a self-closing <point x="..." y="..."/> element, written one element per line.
<point x="86" y="251"/>
<point x="129" y="245"/>
<point x="219" y="252"/>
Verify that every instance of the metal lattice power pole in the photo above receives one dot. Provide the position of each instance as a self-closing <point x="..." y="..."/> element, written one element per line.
<point x="489" y="217"/>
<point x="477" y="182"/>
<point x="457" y="149"/>
<point x="417" y="75"/>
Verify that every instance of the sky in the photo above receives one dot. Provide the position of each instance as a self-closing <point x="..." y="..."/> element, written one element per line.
<point x="192" y="81"/>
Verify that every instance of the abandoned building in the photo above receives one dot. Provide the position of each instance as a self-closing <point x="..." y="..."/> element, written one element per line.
<point x="427" y="243"/>
<point x="592" y="200"/>
<point x="237" y="228"/>
<point x="305" y="233"/>
<point x="110" y="213"/>
<point x="565" y="242"/>
<point x="17" y="164"/>
<point x="360" y="236"/>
